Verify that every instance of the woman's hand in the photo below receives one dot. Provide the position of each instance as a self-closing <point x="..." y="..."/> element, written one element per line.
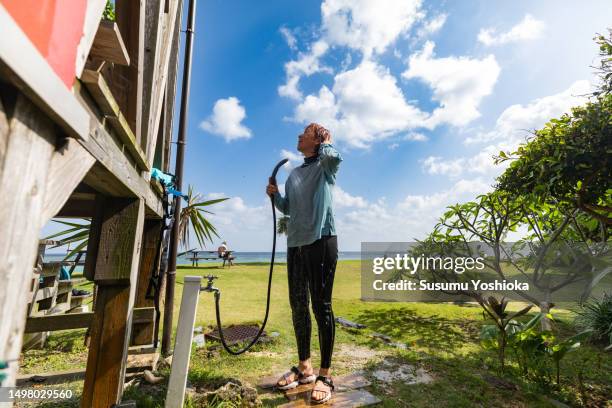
<point x="271" y="189"/>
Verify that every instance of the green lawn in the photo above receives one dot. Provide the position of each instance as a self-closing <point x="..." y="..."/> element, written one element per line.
<point x="442" y="338"/>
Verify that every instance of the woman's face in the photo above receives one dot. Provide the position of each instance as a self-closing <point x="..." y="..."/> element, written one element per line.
<point x="308" y="141"/>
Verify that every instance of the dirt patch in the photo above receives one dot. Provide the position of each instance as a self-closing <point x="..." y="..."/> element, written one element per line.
<point x="390" y="370"/>
<point x="354" y="357"/>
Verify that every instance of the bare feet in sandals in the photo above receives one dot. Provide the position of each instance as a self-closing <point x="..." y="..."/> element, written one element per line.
<point x="294" y="377"/>
<point x="322" y="390"/>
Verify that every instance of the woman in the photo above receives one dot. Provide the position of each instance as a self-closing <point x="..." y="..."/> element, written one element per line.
<point x="312" y="253"/>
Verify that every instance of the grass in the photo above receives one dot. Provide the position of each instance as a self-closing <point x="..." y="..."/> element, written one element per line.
<point x="442" y="338"/>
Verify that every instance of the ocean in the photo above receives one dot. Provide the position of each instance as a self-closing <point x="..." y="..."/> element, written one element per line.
<point x="241" y="257"/>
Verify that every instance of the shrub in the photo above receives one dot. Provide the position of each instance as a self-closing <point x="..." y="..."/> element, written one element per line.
<point x="596" y="315"/>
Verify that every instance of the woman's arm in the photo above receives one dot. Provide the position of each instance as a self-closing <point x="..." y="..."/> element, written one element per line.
<point x="282" y="203"/>
<point x="330" y="158"/>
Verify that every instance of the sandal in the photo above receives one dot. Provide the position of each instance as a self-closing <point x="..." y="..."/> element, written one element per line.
<point x="300" y="378"/>
<point x="328" y="381"/>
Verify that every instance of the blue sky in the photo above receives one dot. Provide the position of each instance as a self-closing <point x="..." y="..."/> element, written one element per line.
<point x="417" y="95"/>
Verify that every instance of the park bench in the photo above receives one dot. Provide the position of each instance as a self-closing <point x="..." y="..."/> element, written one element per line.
<point x="212" y="255"/>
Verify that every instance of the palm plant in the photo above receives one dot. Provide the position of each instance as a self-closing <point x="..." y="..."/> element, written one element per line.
<point x="282" y="224"/>
<point x="192" y="216"/>
<point x="76" y="233"/>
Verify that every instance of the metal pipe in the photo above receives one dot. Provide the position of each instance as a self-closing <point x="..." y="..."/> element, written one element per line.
<point x="178" y="172"/>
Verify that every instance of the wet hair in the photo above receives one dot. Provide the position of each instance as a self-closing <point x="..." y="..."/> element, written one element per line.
<point x="320" y="132"/>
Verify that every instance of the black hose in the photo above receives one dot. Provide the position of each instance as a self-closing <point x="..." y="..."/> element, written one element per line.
<point x="218" y="292"/>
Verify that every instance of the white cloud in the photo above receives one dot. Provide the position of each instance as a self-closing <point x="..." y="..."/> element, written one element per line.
<point x="226" y="120"/>
<point x="433" y="26"/>
<point x="243" y="226"/>
<point x="459" y="83"/>
<point x="365" y="25"/>
<point x="510" y="130"/>
<point x="393" y="146"/>
<point x="411" y="217"/>
<point x="436" y="165"/>
<point x="307" y="64"/>
<point x="289" y="37"/>
<point x="342" y="199"/>
<point x="357" y="219"/>
<point x="516" y="120"/>
<point x="528" y="28"/>
<point x="364" y="105"/>
<point x="416" y="137"/>
<point x="294" y="158"/>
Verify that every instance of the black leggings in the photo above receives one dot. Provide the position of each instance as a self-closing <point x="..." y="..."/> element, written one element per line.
<point x="312" y="268"/>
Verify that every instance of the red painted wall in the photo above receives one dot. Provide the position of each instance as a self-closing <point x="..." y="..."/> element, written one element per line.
<point x="55" y="27"/>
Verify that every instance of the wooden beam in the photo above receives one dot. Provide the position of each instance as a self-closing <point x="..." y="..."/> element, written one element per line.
<point x="69" y="165"/>
<point x="90" y="28"/>
<point x="29" y="145"/>
<point x="27" y="69"/>
<point x="75" y="208"/>
<point x="101" y="92"/>
<point x="119" y="246"/>
<point x="130" y="17"/>
<point x="58" y="322"/>
<point x="114" y="174"/>
<point x="93" y="241"/>
<point x="108" y="44"/>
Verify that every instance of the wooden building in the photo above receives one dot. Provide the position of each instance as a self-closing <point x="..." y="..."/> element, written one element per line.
<point x="86" y="109"/>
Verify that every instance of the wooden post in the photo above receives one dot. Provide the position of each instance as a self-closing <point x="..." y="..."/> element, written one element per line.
<point x="182" y="344"/>
<point x="116" y="270"/>
<point x="27" y="143"/>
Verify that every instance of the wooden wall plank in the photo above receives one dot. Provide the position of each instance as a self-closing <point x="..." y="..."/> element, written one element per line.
<point x="58" y="322"/>
<point x="167" y="50"/>
<point x="130" y="17"/>
<point x="170" y="94"/>
<point x="155" y="20"/>
<point x="23" y="176"/>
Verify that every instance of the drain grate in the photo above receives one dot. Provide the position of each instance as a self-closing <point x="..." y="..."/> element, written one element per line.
<point x="235" y="334"/>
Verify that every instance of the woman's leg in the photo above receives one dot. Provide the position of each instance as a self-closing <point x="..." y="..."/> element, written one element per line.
<point x="298" y="299"/>
<point x="322" y="257"/>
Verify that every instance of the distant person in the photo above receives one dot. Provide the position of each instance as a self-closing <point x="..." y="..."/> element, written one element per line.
<point x="225" y="254"/>
<point x="312" y="254"/>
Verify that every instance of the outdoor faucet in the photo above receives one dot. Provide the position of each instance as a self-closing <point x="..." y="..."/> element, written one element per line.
<point x="209" y="286"/>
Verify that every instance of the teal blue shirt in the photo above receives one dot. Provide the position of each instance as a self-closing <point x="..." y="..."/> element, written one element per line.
<point x="308" y="198"/>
